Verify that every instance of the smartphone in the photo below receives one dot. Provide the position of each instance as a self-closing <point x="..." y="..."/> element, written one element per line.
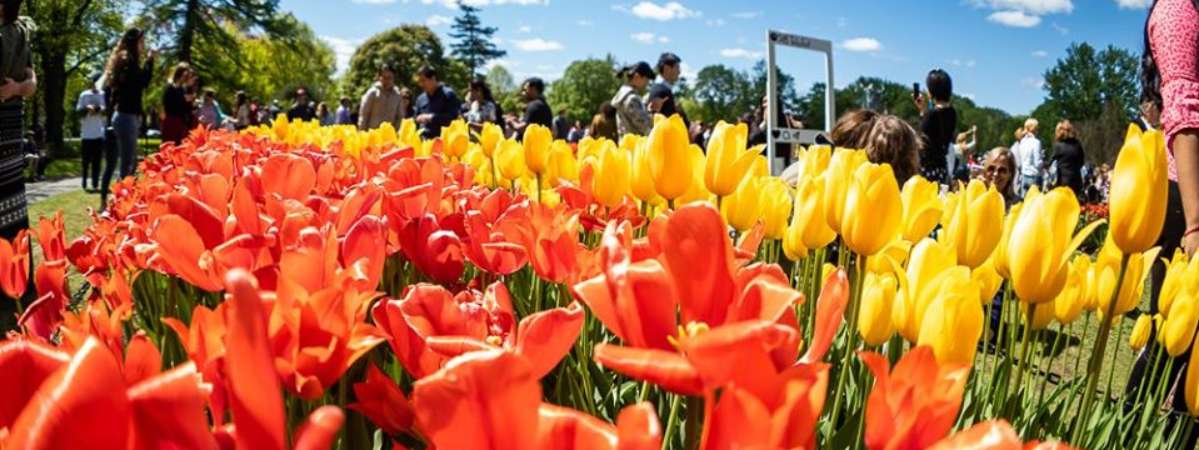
<point x="915" y="90"/>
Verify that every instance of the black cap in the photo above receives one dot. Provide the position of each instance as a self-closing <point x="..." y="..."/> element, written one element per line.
<point x="668" y="59"/>
<point x="641" y="68"/>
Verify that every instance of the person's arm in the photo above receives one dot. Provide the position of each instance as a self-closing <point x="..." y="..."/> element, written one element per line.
<point x="1186" y="161"/>
<point x="80" y="105"/>
<point x="364" y="110"/>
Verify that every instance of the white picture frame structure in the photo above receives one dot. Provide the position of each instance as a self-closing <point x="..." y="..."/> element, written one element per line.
<point x="779" y="133"/>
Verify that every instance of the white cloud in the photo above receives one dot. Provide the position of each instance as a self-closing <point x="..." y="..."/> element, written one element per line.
<point x="1040" y="54"/>
<point x="437" y="20"/>
<point x="686" y="71"/>
<point x="714" y="22"/>
<point x="1031" y="7"/>
<point x="747" y="14"/>
<point x="343" y="49"/>
<point x="968" y="63"/>
<point x="740" y="53"/>
<point x="453" y="4"/>
<point x="1134" y="4"/>
<point x="373" y="2"/>
<point x="584" y="23"/>
<point x="505" y="63"/>
<point x="524" y="29"/>
<point x="1060" y="29"/>
<point x="537" y="45"/>
<point x="1014" y="18"/>
<point x="1033" y="83"/>
<point x="862" y="44"/>
<point x="649" y="38"/>
<point x="662" y="13"/>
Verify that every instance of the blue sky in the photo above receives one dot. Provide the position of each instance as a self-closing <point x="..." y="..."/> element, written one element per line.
<point x="996" y="50"/>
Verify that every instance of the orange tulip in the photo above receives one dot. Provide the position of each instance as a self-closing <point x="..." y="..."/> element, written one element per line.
<point x="780" y="412"/>
<point x="382" y="402"/>
<point x="14" y="265"/>
<point x="915" y="404"/>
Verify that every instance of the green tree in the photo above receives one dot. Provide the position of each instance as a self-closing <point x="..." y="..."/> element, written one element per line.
<point x="474" y="46"/>
<point x="187" y="20"/>
<point x="1079" y="85"/>
<point x="70" y="44"/>
<point x="503" y="88"/>
<point x="585" y="85"/>
<point x="271" y="67"/>
<point x="407" y="47"/>
<point x="786" y="84"/>
<point x="722" y="93"/>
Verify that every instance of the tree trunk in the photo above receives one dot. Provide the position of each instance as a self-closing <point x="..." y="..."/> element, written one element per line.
<point x="187" y="33"/>
<point x="54" y="88"/>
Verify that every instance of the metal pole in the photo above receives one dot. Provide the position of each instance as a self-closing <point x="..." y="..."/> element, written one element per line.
<point x="771" y="102"/>
<point x="830" y="93"/>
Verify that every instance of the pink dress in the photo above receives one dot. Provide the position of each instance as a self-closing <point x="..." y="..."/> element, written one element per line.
<point x="1174" y="39"/>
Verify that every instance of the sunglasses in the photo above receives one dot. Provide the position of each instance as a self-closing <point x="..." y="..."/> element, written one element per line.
<point x="997" y="169"/>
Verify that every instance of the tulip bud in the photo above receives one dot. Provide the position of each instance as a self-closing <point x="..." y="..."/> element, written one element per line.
<point x="561" y="165"/>
<point x="873" y="210"/>
<point x="894" y="253"/>
<point x="1179" y="327"/>
<point x="641" y="183"/>
<point x="454" y="139"/>
<point x="1140" y="333"/>
<point x="1042" y="316"/>
<point x="536" y="144"/>
<point x="489" y="137"/>
<point x="1138" y="191"/>
<point x="953" y="321"/>
<point x="874" y="319"/>
<point x="1139" y="267"/>
<point x="510" y="159"/>
<point x="928" y="260"/>
<point x="728" y="159"/>
<point x="988" y="281"/>
<point x="840" y="174"/>
<point x="921" y="207"/>
<point x="1071" y="302"/>
<point x="975" y="223"/>
<point x="611" y="182"/>
<point x="696" y="192"/>
<point x="1176" y="272"/>
<point x="743" y="209"/>
<point x="670" y="162"/>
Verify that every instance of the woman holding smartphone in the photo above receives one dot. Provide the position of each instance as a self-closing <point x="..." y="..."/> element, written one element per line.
<point x="128" y="78"/>
<point x="938" y="124"/>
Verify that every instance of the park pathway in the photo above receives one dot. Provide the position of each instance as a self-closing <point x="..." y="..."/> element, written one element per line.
<point x="41" y="190"/>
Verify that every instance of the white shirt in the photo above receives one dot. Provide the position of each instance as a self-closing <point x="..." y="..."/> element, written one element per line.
<point x="91" y="126"/>
<point x="1029" y="155"/>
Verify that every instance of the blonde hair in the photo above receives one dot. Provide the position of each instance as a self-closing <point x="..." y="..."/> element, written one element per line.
<point x="1019" y="133"/>
<point x="1030" y="125"/>
<point x="180" y="70"/>
<point x="1063" y="130"/>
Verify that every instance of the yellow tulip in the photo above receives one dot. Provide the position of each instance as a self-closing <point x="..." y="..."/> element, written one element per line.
<point x="641" y="183"/>
<point x="743" y="209"/>
<point x="1192" y="382"/>
<point x="974" y="224"/>
<point x="562" y="165"/>
<point x="510" y="159"/>
<point x="489" y="137"/>
<point x="454" y="139"/>
<point x="728" y="158"/>
<point x="1001" y="254"/>
<point x="921" y="207"/>
<point x="610" y="183"/>
<point x="1070" y="303"/>
<point x="874" y="319"/>
<point x="631" y="142"/>
<point x="894" y="253"/>
<point x="807" y="229"/>
<point x="873" y="210"/>
<point x="1172" y="284"/>
<point x="953" y="322"/>
<point x="776" y="207"/>
<point x="1139" y="267"/>
<point x="1179" y="327"/>
<point x="475" y="158"/>
<point x="928" y="259"/>
<point x="1042" y="242"/>
<point x="536" y="144"/>
<point x="696" y="192"/>
<point x="1138" y="191"/>
<point x="814" y="160"/>
<point x="839" y="175"/>
<point x="669" y="157"/>
<point x="1140" y="332"/>
<point x="408" y="134"/>
<point x="988" y="281"/>
<point x="1042" y="317"/>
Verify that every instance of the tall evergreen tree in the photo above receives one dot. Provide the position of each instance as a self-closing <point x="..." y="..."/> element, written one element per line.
<point x="473" y="44"/>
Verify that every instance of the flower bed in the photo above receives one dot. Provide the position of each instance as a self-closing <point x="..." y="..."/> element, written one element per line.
<point x="307" y="287"/>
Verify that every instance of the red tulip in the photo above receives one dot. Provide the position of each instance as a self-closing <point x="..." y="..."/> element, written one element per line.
<point x="50" y="236"/>
<point x="914" y="405"/>
<point x="382" y="402"/>
<point x="779" y="411"/>
<point x="14" y="265"/>
<point x="24" y="365"/>
<point x="437" y="253"/>
<point x="992" y="435"/>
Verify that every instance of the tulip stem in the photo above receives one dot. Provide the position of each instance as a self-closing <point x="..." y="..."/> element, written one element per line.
<point x="851" y="333"/>
<point x="1096" y="364"/>
<point x="1022" y="364"/>
<point x="672" y="420"/>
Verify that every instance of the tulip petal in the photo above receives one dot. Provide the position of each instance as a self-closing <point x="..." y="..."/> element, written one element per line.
<point x="544" y="338"/>
<point x="320" y="431"/>
<point x="24" y="365"/>
<point x="830" y="310"/>
<point x="669" y="370"/>
<point x="991" y="435"/>
<point x="638" y="428"/>
<point x="699" y="257"/>
<point x="493" y="393"/>
<point x="253" y="384"/>
<point x="567" y="429"/>
<point x="168" y="411"/>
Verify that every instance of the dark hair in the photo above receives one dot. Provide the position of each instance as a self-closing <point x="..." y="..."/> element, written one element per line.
<point x="668" y="59"/>
<point x="12" y="10"/>
<point x="242" y="98"/>
<point x="427" y="72"/>
<point x="385" y="65"/>
<point x="640" y="68"/>
<point x="853" y="128"/>
<point x="535" y="83"/>
<point x="608" y="111"/>
<point x="940" y="86"/>
<point x="481" y="85"/>
<point x="210" y="92"/>
<point x="124" y="54"/>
